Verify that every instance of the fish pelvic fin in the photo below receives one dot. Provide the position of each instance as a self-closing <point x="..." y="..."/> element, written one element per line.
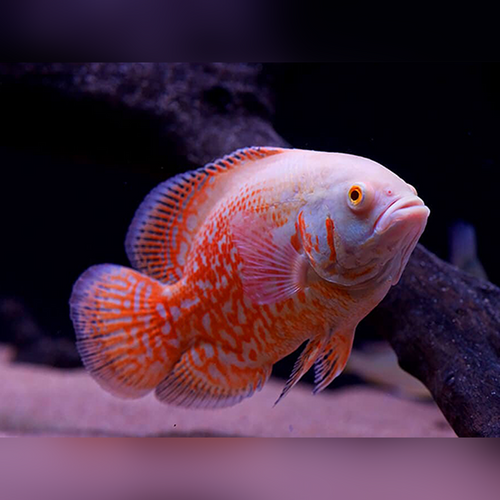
<point x="125" y="335"/>
<point x="333" y="358"/>
<point x="166" y="223"/>
<point x="205" y="377"/>
<point x="304" y="362"/>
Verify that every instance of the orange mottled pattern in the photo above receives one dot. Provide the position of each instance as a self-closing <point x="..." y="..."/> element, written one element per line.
<point x="236" y="266"/>
<point x="215" y="311"/>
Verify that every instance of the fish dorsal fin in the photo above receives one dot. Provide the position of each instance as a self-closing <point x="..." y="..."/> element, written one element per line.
<point x="333" y="358"/>
<point x="165" y="224"/>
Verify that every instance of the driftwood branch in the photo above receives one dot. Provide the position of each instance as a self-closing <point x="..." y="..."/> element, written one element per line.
<point x="443" y="324"/>
<point x="203" y="110"/>
<point x="445" y="328"/>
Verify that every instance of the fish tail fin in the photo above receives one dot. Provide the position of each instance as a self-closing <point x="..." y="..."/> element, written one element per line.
<point x="125" y="334"/>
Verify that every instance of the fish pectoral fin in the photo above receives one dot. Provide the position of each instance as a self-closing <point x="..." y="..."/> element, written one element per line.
<point x="204" y="377"/>
<point x="272" y="270"/>
<point x="302" y="365"/>
<point x="333" y="358"/>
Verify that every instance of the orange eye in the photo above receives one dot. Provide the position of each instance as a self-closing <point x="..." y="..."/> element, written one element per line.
<point x="355" y="195"/>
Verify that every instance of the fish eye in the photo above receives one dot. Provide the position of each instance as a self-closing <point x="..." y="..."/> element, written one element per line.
<point x="355" y="195"/>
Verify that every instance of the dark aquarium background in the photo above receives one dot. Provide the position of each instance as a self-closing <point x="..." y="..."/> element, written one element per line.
<point x="75" y="167"/>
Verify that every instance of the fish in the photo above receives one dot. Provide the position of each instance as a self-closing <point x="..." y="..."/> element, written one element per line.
<point x="239" y="263"/>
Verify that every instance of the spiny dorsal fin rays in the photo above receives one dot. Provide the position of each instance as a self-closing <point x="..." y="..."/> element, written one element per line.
<point x="333" y="359"/>
<point x="329" y="356"/>
<point x="302" y="365"/>
<point x="165" y="224"/>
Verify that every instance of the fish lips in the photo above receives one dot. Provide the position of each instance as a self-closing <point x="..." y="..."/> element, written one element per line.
<point x="408" y="210"/>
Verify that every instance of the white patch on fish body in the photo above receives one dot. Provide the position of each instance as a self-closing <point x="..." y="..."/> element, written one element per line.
<point x="160" y="308"/>
<point x="137" y="296"/>
<point x="206" y="323"/>
<point x="249" y="346"/>
<point x="147" y="321"/>
<point x="145" y="341"/>
<point x="174" y="342"/>
<point x="134" y="333"/>
<point x="175" y="312"/>
<point x="210" y="232"/>
<point x="229" y="338"/>
<point x="241" y="313"/>
<point x="217" y="261"/>
<point x="191" y="222"/>
<point x="233" y="253"/>
<point x="181" y="258"/>
<point x="195" y="357"/>
<point x="215" y="373"/>
<point x="227" y="306"/>
<point x="203" y="258"/>
<point x="204" y="285"/>
<point x="188" y="303"/>
<point x="132" y="279"/>
<point x="209" y="350"/>
<point x="232" y="358"/>
<point x="221" y="242"/>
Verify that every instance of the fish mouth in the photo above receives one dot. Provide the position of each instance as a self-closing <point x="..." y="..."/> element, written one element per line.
<point x="408" y="208"/>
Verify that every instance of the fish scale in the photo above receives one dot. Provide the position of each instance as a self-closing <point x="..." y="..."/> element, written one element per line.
<point x="237" y="265"/>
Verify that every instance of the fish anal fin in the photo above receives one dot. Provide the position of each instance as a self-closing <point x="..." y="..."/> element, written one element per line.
<point x="302" y="365"/>
<point x="202" y="378"/>
<point x="332" y="359"/>
<point x="165" y="224"/>
<point x="272" y="270"/>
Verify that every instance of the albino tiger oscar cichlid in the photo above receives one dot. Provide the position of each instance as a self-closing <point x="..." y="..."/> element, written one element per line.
<point x="237" y="264"/>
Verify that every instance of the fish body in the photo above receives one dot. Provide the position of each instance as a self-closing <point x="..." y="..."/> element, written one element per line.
<point x="237" y="265"/>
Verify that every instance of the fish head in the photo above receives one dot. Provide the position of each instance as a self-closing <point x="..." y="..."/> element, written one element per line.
<point x="368" y="221"/>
